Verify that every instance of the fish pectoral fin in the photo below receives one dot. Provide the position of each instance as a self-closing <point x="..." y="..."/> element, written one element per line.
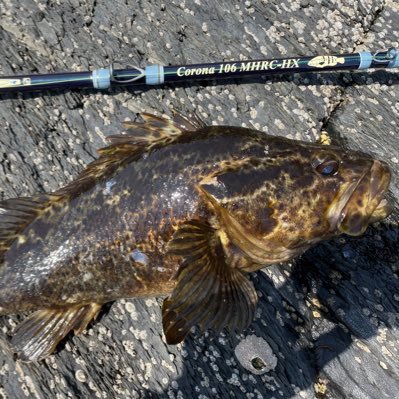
<point x="37" y="336"/>
<point x="209" y="293"/>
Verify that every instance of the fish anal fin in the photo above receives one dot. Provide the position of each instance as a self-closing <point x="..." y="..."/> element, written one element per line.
<point x="209" y="292"/>
<point x="89" y="313"/>
<point x="37" y="336"/>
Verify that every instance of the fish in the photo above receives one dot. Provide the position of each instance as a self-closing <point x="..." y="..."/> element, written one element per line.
<point x="175" y="208"/>
<point x="323" y="61"/>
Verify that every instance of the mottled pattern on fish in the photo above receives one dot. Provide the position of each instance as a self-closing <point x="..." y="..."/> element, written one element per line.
<point x="83" y="249"/>
<point x="168" y="197"/>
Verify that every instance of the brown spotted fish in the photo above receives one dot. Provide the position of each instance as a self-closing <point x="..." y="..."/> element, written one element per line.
<point x="180" y="209"/>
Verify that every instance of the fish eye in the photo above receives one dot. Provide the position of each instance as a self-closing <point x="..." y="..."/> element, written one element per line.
<point x="328" y="167"/>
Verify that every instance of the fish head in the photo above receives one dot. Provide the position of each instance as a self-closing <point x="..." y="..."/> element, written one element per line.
<point x="324" y="191"/>
<point x="360" y="198"/>
<point x="336" y="192"/>
<point x="299" y="194"/>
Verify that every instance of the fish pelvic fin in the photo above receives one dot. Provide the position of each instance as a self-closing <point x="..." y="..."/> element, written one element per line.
<point x="37" y="336"/>
<point x="17" y="213"/>
<point x="209" y="292"/>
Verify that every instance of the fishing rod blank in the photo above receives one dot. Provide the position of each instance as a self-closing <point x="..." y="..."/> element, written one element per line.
<point x="105" y="78"/>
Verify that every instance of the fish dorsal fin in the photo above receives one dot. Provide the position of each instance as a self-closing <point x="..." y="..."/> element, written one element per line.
<point x="111" y="159"/>
<point x="17" y="213"/>
<point x="155" y="130"/>
<point x="140" y="137"/>
<point x="209" y="292"/>
<point x="38" y="335"/>
<point x="187" y="124"/>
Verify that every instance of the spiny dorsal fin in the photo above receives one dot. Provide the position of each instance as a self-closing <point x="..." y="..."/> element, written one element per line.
<point x="111" y="159"/>
<point x="155" y="130"/>
<point x="37" y="336"/>
<point x="209" y="292"/>
<point x="140" y="137"/>
<point x="187" y="124"/>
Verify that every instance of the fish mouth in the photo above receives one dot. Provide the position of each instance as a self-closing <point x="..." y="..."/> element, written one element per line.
<point x="363" y="201"/>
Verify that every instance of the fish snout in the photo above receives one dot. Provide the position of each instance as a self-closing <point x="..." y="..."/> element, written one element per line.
<point x="381" y="179"/>
<point x="367" y="203"/>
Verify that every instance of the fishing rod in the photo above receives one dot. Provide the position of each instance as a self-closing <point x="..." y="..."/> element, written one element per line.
<point x="105" y="78"/>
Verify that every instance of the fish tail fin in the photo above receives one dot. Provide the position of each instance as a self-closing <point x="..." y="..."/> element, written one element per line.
<point x="155" y="130"/>
<point x="37" y="336"/>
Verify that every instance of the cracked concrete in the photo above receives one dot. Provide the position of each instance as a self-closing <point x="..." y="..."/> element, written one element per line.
<point x="331" y="317"/>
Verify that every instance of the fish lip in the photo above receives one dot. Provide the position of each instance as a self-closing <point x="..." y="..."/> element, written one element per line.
<point x="377" y="178"/>
<point x="382" y="210"/>
<point x="337" y="213"/>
